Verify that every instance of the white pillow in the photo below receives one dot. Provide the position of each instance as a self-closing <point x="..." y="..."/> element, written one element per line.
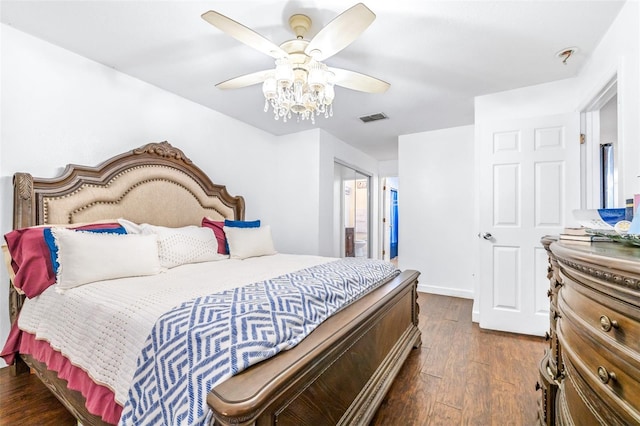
<point x="87" y="257"/>
<point x="179" y="246"/>
<point x="130" y="227"/>
<point x="249" y="242"/>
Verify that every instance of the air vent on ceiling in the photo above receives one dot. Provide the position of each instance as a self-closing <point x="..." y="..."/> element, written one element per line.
<point x="373" y="117"/>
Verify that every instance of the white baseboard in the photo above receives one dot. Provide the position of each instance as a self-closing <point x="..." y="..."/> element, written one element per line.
<point x="475" y="314"/>
<point x="445" y="291"/>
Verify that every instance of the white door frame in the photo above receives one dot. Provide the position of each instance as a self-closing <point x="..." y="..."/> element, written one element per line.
<point x="386" y="185"/>
<point x="590" y="149"/>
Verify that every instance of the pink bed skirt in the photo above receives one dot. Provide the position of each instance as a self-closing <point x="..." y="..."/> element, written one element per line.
<point x="99" y="399"/>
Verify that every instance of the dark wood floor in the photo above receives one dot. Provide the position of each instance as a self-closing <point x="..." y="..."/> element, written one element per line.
<point x="462" y="375"/>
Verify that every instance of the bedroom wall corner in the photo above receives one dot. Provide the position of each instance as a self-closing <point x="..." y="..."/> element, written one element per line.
<point x="437" y="216"/>
<point x="332" y="149"/>
<point x="304" y="169"/>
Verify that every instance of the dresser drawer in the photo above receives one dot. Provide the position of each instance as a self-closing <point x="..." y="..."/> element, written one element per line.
<point x="605" y="315"/>
<point x="611" y="376"/>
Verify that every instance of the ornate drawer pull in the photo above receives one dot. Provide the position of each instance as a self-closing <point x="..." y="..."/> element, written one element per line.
<point x="605" y="375"/>
<point x="607" y="323"/>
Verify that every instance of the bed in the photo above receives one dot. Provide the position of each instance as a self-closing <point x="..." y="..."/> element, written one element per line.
<point x="337" y="374"/>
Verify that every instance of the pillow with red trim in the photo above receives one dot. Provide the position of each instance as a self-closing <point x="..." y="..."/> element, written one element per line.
<point x="218" y="230"/>
<point x="217" y="226"/>
<point x="31" y="259"/>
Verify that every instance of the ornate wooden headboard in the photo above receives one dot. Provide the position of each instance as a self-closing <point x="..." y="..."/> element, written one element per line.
<point x="155" y="183"/>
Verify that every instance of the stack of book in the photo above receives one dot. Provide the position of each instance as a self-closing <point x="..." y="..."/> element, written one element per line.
<point x="580" y="235"/>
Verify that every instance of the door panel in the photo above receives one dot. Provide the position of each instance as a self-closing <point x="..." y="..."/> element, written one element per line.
<point x="506" y="264"/>
<point x="549" y="196"/>
<point x="506" y="195"/>
<point x="529" y="183"/>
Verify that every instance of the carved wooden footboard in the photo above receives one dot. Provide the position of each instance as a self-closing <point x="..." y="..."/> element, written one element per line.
<point x="338" y="375"/>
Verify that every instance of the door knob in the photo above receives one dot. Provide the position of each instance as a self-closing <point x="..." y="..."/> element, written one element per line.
<point x="485" y="235"/>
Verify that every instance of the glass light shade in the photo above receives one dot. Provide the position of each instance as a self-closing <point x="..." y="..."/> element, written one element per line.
<point x="317" y="78"/>
<point x="329" y="93"/>
<point x="284" y="73"/>
<point x="269" y="87"/>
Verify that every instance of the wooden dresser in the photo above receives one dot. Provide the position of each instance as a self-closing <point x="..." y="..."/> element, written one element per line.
<point x="590" y="374"/>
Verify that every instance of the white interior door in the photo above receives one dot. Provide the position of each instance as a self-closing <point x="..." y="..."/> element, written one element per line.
<point x="529" y="184"/>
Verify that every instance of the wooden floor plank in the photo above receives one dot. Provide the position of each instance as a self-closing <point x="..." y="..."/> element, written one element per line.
<point x="462" y="375"/>
<point x="443" y="415"/>
<point x="438" y="336"/>
<point x="476" y="407"/>
<point x="25" y="400"/>
<point x="504" y="409"/>
<point x="454" y="381"/>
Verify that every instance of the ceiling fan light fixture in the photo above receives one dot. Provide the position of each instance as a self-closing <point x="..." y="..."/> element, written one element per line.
<point x="300" y="83"/>
<point x="305" y="89"/>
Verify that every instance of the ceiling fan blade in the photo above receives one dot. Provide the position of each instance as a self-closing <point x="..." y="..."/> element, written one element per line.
<point x="340" y="32"/>
<point x="244" y="80"/>
<point x="243" y="34"/>
<point x="357" y="81"/>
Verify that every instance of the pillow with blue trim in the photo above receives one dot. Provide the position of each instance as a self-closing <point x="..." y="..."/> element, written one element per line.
<point x="32" y="258"/>
<point x="249" y="242"/>
<point x="53" y="248"/>
<point x="239" y="224"/>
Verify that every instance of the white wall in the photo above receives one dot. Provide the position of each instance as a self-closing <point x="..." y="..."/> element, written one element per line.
<point x="304" y="169"/>
<point x="388" y="168"/>
<point x="557" y="97"/>
<point x="59" y="108"/>
<point x="298" y="176"/>
<point x="437" y="235"/>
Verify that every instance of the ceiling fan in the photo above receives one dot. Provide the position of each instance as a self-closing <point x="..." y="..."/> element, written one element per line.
<point x="300" y="82"/>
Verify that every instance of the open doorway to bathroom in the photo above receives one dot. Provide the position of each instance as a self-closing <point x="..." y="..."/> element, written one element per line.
<point x="353" y="192"/>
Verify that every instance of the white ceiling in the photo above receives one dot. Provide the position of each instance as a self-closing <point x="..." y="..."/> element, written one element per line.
<point x="437" y="55"/>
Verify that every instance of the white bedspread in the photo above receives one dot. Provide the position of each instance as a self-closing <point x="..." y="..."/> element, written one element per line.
<point x="101" y="327"/>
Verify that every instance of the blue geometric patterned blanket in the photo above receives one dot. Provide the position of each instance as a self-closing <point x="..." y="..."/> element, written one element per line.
<point x="208" y="339"/>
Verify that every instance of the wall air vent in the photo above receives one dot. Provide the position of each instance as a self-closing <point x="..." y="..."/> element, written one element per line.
<point x="373" y="117"/>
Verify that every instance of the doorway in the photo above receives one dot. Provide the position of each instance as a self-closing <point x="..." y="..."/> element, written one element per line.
<point x="600" y="152"/>
<point x="393" y="218"/>
<point x="390" y="219"/>
<point x="354" y="201"/>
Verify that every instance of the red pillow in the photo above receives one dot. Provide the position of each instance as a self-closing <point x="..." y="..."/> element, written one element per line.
<point x="31" y="258"/>
<point x="219" y="233"/>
